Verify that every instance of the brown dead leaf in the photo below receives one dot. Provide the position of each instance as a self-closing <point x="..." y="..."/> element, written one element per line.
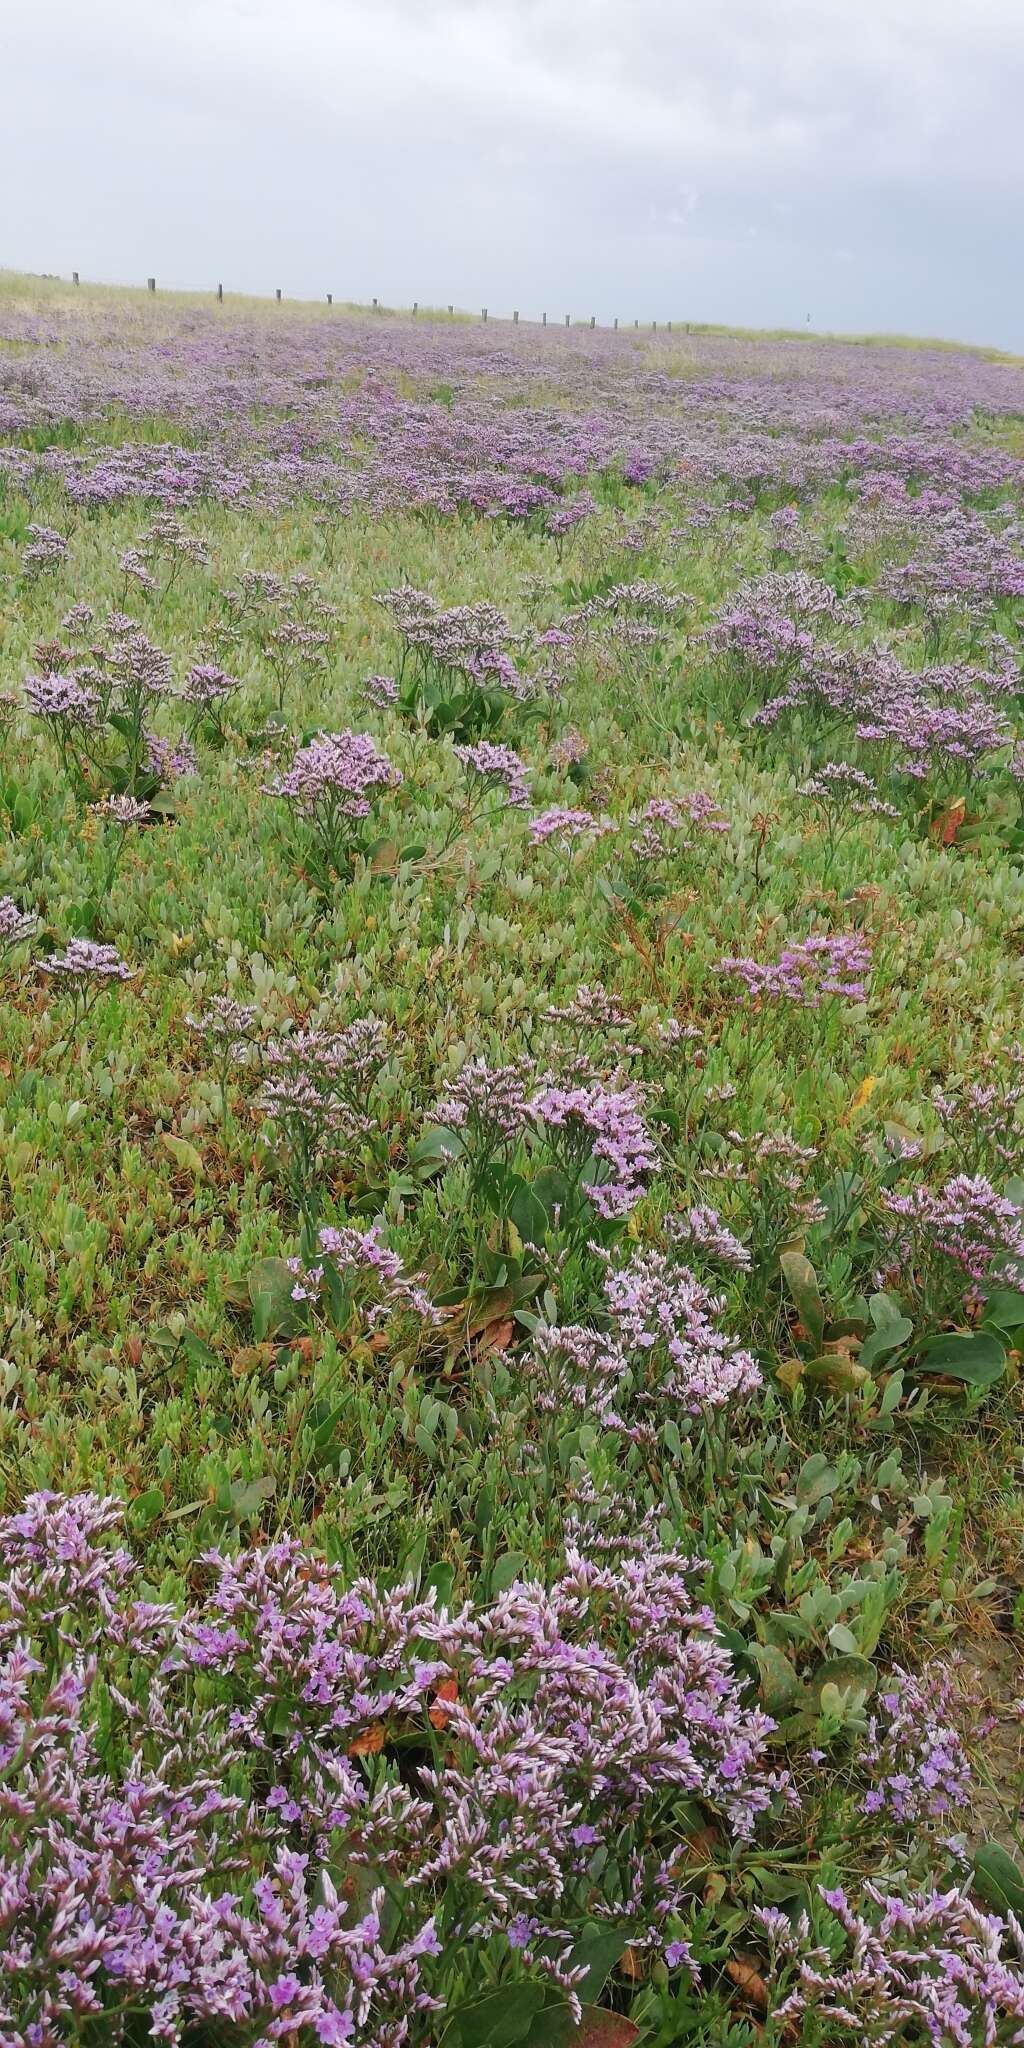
<point x="600" y="2028"/>
<point x="634" y="1965"/>
<point x="749" y="1982"/>
<point x="947" y="822"/>
<point x="497" y="1336"/>
<point x="370" y="1742"/>
<point x="447" y="1690"/>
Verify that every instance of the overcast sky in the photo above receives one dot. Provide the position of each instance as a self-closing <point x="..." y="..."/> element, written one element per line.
<point x="754" y="161"/>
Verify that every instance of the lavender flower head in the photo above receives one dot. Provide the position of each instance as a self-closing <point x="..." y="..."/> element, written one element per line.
<point x="85" y="961"/>
<point x="567" y="826"/>
<point x="339" y="770"/>
<point x="16" y="926"/>
<point x="494" y="767"/>
<point x="607" y="1125"/>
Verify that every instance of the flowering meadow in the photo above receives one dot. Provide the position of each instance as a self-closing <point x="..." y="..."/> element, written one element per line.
<point x="511" y="1183"/>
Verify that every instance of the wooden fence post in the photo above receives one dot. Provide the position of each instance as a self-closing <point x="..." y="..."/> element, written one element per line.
<point x="567" y="319"/>
<point x="415" y="308"/>
<point x="151" y="282"/>
<point x="74" y="277"/>
<point x="451" y="309"/>
<point x="483" y="312"/>
<point x="615" y="323"/>
<point x="591" y="321"/>
<point x="515" y="319"/>
<point x="277" y="294"/>
<point x="220" y="295"/>
<point x="543" y="319"/>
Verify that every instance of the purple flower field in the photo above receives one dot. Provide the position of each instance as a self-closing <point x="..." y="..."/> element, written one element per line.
<point x="511" y="1182"/>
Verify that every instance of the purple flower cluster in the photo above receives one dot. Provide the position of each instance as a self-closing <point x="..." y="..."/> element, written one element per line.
<point x="492" y="767"/>
<point x="914" y="1754"/>
<point x="567" y="827"/>
<point x="965" y="1220"/>
<point x="605" y="1125"/>
<point x="333" y="775"/>
<point x="366" y="1272"/>
<point x="16" y="926"/>
<point x="928" y="1966"/>
<point x="85" y="961"/>
<point x="45" y="550"/>
<point x="178" y="1790"/>
<point x="805" y="974"/>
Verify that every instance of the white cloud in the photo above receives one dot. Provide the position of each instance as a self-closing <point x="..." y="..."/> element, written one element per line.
<point x="521" y="150"/>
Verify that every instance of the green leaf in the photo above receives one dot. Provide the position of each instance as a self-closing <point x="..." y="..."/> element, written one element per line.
<point x="435" y="1150"/>
<point x="270" y="1293"/>
<point x="146" y="1507"/>
<point x="850" y="1672"/>
<point x="836" y="1369"/>
<point x="183" y="1154"/>
<point x="779" y="1682"/>
<point x="816" y="1478"/>
<point x="975" y="1356"/>
<point x="599" y="1949"/>
<point x="998" y="1879"/>
<point x="886" y="1336"/>
<point x="248" y="1496"/>
<point x="496" y="2021"/>
<point x="440" y="1580"/>
<point x="1005" y="1309"/>
<point x="802" y="1281"/>
<point x="506" y="1570"/>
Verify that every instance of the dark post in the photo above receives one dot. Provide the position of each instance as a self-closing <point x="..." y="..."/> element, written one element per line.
<point x="615" y="323"/>
<point x="654" y="327"/>
<point x="74" y="277"/>
<point x="515" y="319"/>
<point x="277" y="294"/>
<point x="330" y="298"/>
<point x="636" y="323"/>
<point x="567" y="319"/>
<point x="483" y="312"/>
<point x="591" y="319"/>
<point x="543" y="319"/>
<point x="415" y="308"/>
<point x="451" y="309"/>
<point x="220" y="295"/>
<point x="151" y="281"/>
<point x="375" y="305"/>
<point x="670" y="326"/>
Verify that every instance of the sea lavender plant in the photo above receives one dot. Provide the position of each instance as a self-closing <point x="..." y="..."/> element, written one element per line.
<point x="45" y="551"/>
<point x="839" y="794"/>
<point x="17" y="927"/>
<point x="82" y="973"/>
<point x="492" y="770"/>
<point x="200" y="1776"/>
<point x="937" y="1236"/>
<point x="330" y="789"/>
<point x="208" y="692"/>
<point x="120" y="815"/>
<point x="354" y="1271"/>
<point x="317" y="1089"/>
<point x="600" y="1142"/>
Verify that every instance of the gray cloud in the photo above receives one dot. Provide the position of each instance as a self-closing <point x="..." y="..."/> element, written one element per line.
<point x="751" y="160"/>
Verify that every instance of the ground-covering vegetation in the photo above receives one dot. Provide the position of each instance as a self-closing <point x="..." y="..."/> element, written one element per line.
<point x="512" y="1183"/>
